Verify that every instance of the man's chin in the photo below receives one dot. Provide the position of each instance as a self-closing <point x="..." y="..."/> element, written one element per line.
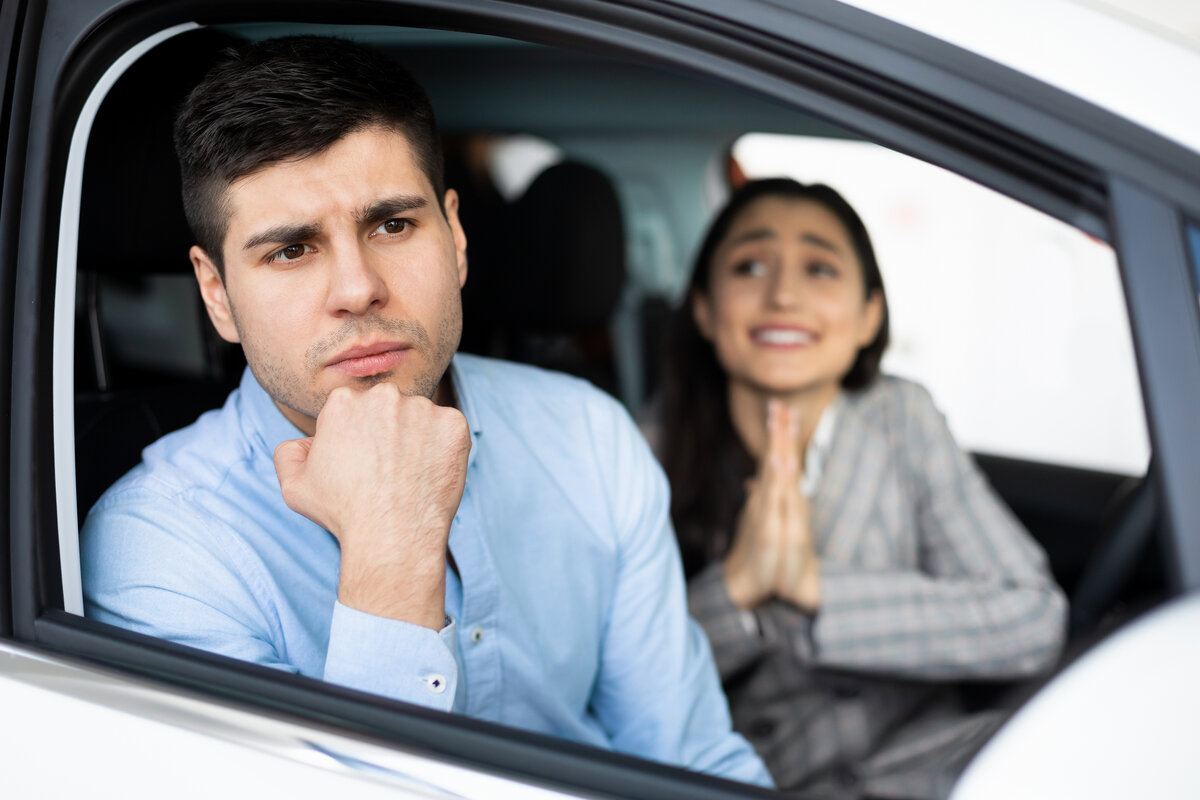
<point x="413" y="386"/>
<point x="367" y="381"/>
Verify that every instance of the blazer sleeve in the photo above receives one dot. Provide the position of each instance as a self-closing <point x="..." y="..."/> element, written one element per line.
<point x="735" y="635"/>
<point x="981" y="602"/>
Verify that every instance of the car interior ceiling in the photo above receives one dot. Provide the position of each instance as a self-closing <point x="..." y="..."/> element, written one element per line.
<point x="147" y="361"/>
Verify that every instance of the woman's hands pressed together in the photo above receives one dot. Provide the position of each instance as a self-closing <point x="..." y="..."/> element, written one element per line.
<point x="773" y="553"/>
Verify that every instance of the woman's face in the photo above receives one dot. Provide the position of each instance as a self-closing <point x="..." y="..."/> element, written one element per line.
<point x="785" y="309"/>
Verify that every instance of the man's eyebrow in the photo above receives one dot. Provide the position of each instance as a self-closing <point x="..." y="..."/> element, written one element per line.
<point x="390" y="207"/>
<point x="288" y="233"/>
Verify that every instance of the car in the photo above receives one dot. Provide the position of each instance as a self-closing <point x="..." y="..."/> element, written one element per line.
<point x="1044" y="288"/>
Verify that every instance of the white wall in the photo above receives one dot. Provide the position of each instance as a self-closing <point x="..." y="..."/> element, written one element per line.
<point x="1014" y="321"/>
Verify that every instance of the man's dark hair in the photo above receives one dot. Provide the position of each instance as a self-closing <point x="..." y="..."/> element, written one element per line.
<point x="286" y="99"/>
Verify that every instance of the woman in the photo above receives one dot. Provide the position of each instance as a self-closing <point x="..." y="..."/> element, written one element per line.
<point x="846" y="558"/>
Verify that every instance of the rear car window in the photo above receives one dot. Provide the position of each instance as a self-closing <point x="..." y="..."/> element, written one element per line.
<point x="1015" y="321"/>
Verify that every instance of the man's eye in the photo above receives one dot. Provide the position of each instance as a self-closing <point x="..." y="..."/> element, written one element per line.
<point x="290" y="253"/>
<point x="394" y="226"/>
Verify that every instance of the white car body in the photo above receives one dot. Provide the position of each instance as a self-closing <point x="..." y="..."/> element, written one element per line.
<point x="1124" y="720"/>
<point x="1086" y="734"/>
<point x="1086" y="49"/>
<point x="131" y="739"/>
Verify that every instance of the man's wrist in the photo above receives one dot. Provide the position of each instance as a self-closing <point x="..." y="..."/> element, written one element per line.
<point x="410" y="591"/>
<point x="426" y="612"/>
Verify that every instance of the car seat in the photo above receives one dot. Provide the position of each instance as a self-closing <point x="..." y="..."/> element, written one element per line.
<point x="146" y="359"/>
<point x="486" y="216"/>
<point x="551" y="301"/>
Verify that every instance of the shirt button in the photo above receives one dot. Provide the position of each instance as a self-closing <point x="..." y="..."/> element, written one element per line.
<point x="435" y="683"/>
<point x="477" y="634"/>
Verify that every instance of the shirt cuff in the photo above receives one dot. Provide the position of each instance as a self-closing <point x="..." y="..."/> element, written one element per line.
<point x="393" y="658"/>
<point x="788" y="626"/>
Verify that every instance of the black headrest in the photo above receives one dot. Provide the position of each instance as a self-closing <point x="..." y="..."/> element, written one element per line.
<point x="132" y="213"/>
<point x="568" y="268"/>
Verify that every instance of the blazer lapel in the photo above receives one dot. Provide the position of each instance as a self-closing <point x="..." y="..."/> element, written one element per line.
<point x="850" y="484"/>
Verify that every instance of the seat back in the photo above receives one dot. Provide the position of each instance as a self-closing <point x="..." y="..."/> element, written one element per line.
<point x="552" y="302"/>
<point x="146" y="361"/>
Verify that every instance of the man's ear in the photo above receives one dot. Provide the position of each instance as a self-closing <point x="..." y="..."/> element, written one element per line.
<point x="702" y="313"/>
<point x="450" y="204"/>
<point x="212" y="291"/>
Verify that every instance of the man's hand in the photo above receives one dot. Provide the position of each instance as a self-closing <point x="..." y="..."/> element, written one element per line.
<point x="384" y="473"/>
<point x="773" y="553"/>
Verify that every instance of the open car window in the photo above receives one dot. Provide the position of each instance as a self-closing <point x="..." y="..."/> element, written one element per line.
<point x="133" y="356"/>
<point x="1040" y="365"/>
<point x="147" y="362"/>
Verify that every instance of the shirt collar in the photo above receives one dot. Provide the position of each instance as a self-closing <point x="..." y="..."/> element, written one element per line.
<point x="817" y="455"/>
<point x="466" y="404"/>
<point x="265" y="423"/>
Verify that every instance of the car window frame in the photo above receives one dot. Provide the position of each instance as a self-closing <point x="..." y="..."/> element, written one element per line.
<point x="1161" y="293"/>
<point x="670" y="34"/>
<point x="1193" y="234"/>
<point x="12" y="103"/>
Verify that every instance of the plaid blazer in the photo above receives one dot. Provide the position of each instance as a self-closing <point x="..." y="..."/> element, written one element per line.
<point x="926" y="579"/>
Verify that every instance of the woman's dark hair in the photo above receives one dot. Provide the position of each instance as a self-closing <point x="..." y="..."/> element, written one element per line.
<point x="704" y="458"/>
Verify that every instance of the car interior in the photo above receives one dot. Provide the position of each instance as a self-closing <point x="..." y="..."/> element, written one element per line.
<point x="577" y="269"/>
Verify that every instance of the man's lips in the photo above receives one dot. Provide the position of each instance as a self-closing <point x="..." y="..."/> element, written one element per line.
<point x="782" y="336"/>
<point x="367" y="360"/>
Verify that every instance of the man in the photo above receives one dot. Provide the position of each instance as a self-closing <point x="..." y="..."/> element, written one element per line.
<point x="369" y="508"/>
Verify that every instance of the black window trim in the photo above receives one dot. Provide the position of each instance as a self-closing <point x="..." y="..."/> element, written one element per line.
<point x="1161" y="295"/>
<point x="1194" y="242"/>
<point x="12" y="104"/>
<point x="497" y="749"/>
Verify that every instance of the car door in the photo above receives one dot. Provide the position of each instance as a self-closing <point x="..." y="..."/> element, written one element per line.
<point x="1105" y="175"/>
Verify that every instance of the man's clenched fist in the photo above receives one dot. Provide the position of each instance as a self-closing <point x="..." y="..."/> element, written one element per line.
<point x="384" y="473"/>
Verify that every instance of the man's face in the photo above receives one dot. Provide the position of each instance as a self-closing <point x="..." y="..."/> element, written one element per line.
<point x="340" y="270"/>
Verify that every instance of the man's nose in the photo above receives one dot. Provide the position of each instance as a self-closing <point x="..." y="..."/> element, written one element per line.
<point x="356" y="283"/>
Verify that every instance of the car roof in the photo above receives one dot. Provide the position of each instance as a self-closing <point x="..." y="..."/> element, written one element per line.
<point x="1121" y="62"/>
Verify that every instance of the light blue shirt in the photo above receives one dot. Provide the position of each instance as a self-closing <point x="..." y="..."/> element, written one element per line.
<point x="567" y="614"/>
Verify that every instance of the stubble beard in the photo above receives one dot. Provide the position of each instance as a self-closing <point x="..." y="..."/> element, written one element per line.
<point x="297" y="391"/>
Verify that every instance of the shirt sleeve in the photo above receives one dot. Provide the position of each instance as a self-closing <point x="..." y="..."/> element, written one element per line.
<point x="393" y="658"/>
<point x="157" y="566"/>
<point x="657" y="693"/>
<point x="982" y="603"/>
